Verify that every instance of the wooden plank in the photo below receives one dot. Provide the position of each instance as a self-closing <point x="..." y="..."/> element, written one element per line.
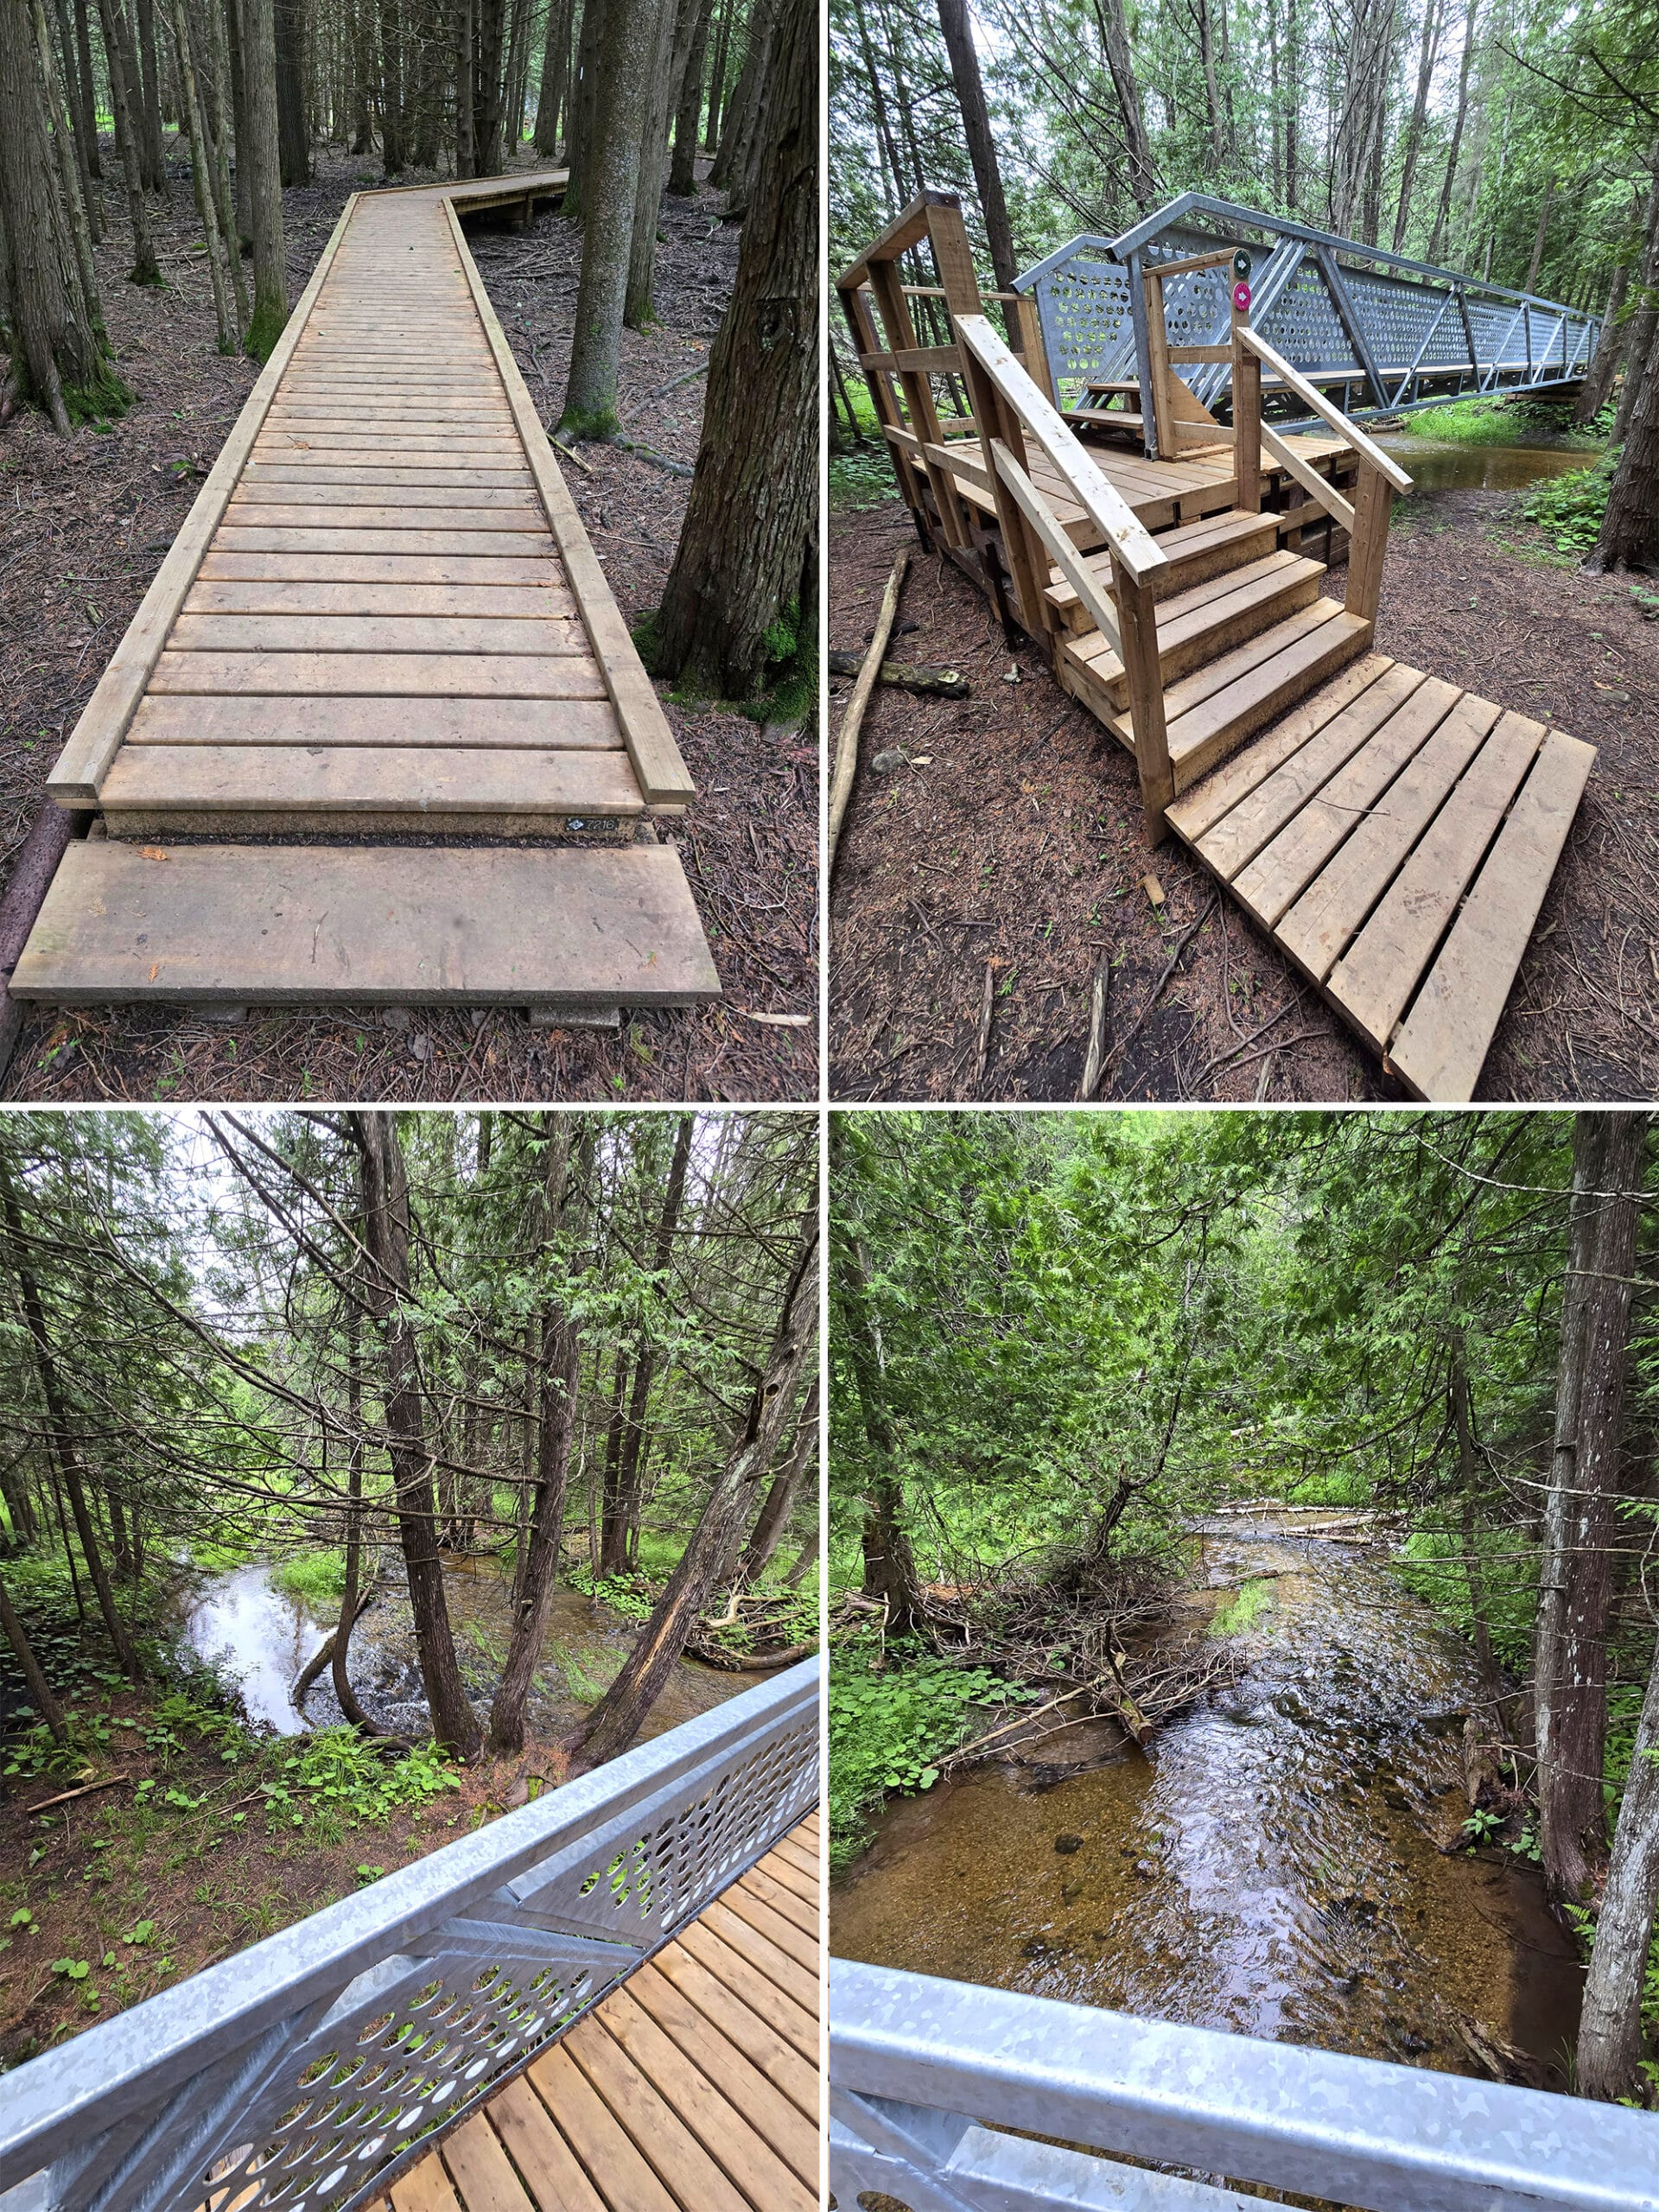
<point x="343" y="501"/>
<point x="1330" y="912"/>
<point x="1443" y="1045"/>
<point x="739" y="1934"/>
<point x="1376" y="977"/>
<point x="794" y="2072"/>
<point x="1205" y="683"/>
<point x="275" y="514"/>
<point x="265" y="925"/>
<point x="424" y="2188"/>
<point x="798" y="1873"/>
<point x="662" y="774"/>
<point x="744" y="2156"/>
<point x="756" y="1989"/>
<point x="656" y="2129"/>
<point x="337" y="437"/>
<point x="351" y="779"/>
<point x="780" y="1929"/>
<point x="91" y="745"/>
<point x="797" y="1853"/>
<point x="596" y="2136"/>
<point x="787" y="2130"/>
<point x="1284" y="867"/>
<point x="1275" y="681"/>
<point x="345" y="539"/>
<point x="481" y="2171"/>
<point x="416" y="676"/>
<point x="484" y="635"/>
<point x="545" y="601"/>
<point x="565" y="724"/>
<point x="1309" y="478"/>
<point x="468" y="567"/>
<point x="1328" y="733"/>
<point x="762" y="1881"/>
<point x="549" y="2164"/>
<point x="437" y="468"/>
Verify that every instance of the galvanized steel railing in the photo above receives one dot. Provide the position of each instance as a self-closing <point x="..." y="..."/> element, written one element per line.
<point x="294" y="2075"/>
<point x="923" y="2074"/>
<point x="1406" y="334"/>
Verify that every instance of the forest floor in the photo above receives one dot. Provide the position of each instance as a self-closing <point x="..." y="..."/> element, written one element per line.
<point x="1011" y="835"/>
<point x="85" y="523"/>
<point x="180" y="1862"/>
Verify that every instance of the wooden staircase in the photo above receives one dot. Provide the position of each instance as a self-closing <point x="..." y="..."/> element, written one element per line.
<point x="1243" y="633"/>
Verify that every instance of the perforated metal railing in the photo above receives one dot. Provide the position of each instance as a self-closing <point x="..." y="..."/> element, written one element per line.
<point x="1395" y="333"/>
<point x="924" y="2075"/>
<point x="297" y="2074"/>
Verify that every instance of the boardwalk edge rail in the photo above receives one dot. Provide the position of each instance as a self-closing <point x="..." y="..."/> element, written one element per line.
<point x="925" y="2073"/>
<point x="299" y="2071"/>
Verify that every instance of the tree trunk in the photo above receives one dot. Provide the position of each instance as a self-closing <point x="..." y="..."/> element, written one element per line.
<point x="233" y="40"/>
<point x="566" y="1173"/>
<point x="675" y="22"/>
<point x="208" y="29"/>
<point x="1292" y="108"/>
<point x="201" y="178"/>
<point x="556" y="65"/>
<point x="72" y="203"/>
<point x="265" y="183"/>
<point x="617" y="1719"/>
<point x="1444" y="207"/>
<point x="87" y="116"/>
<point x="385" y="1235"/>
<point x="779" y="1502"/>
<point x="744" y="563"/>
<point x="389" y="26"/>
<point x="466" y="159"/>
<point x="1638" y="332"/>
<point x="147" y="91"/>
<point x="294" y="143"/>
<point x="1575" y="1570"/>
<point x="614" y="1524"/>
<point x="736" y="130"/>
<point x="644" y="1360"/>
<point x="1145" y="187"/>
<point x="1629" y="528"/>
<point x="889" y="1567"/>
<point x="1597" y="381"/>
<point x="1543" y="232"/>
<point x="610" y="187"/>
<point x="61" y="1439"/>
<point x="1463" y="1423"/>
<point x="146" y="269"/>
<point x="85" y="132"/>
<point x="579" y="131"/>
<point x="688" y="110"/>
<point x="982" y="148"/>
<point x="39" y="1689"/>
<point x="1610" y="2048"/>
<point x="491" y="19"/>
<point x="340" y="1656"/>
<point x="1428" y="55"/>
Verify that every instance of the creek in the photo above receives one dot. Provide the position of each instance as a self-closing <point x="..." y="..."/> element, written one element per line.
<point x="1436" y="465"/>
<point x="242" y="1621"/>
<point x="1276" y="1863"/>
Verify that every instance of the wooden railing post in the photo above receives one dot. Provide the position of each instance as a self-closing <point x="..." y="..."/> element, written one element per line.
<point x="1137" y="622"/>
<point x="1368" y="544"/>
<point x="1157" y="403"/>
<point x="1247" y="419"/>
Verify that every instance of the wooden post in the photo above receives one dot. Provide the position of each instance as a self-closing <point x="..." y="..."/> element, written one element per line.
<point x="920" y="405"/>
<point x="1247" y="421"/>
<point x="1137" y="622"/>
<point x="910" y="474"/>
<point x="1368" y="546"/>
<point x="1028" y="331"/>
<point x="1160" y="399"/>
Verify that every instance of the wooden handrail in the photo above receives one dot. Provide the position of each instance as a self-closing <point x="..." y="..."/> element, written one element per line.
<point x="1368" y="450"/>
<point x="1111" y="514"/>
<point x="1058" y="545"/>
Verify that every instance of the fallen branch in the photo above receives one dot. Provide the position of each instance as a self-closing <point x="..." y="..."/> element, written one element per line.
<point x="1095" y="1058"/>
<point x="1170" y="966"/>
<point x="841" y="785"/>
<point x="86" y="1791"/>
<point x="663" y="390"/>
<point x="986" y="1007"/>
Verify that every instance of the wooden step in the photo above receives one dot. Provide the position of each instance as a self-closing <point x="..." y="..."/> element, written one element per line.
<point x="363" y="925"/>
<point x="1207" y="714"/>
<point x="1396" y="836"/>
<point x="1106" y="418"/>
<point x="1206" y="620"/>
<point x="1196" y="552"/>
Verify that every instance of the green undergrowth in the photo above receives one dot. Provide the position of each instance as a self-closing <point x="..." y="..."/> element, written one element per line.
<point x="1241" y="1608"/>
<point x="1498" y="420"/>
<point x="1569" y="509"/>
<point x="318" y="1578"/>
<point x="888" y="1729"/>
<point x="1432" y="1565"/>
<point x="860" y="479"/>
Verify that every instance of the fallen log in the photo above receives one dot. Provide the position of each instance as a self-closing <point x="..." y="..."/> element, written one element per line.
<point x="930" y="679"/>
<point x="841" y="786"/>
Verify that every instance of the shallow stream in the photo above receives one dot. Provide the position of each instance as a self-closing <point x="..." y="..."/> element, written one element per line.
<point x="1436" y="465"/>
<point x="1275" y="1866"/>
<point x="261" y="1637"/>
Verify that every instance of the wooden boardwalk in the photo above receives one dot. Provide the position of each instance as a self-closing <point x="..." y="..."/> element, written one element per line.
<point x="382" y="621"/>
<point x="693" y="2088"/>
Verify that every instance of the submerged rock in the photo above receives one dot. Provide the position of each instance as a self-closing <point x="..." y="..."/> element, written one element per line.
<point x="1067" y="1844"/>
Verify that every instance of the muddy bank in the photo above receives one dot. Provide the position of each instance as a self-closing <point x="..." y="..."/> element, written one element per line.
<point x="1019" y="843"/>
<point x="258" y="1638"/>
<point x="1276" y="1866"/>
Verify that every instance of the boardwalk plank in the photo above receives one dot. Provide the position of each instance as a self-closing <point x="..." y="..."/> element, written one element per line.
<point x="481" y="2171"/>
<point x="543" y="600"/>
<point x="757" y="1988"/>
<point x="277" y="514"/>
<point x="550" y="2168"/>
<point x="381" y="634"/>
<point x="512" y="723"/>
<point x="780" y="1930"/>
<point x="737" y="1930"/>
<point x="789" y="2131"/>
<point x="361" y="543"/>
<point x="596" y="2136"/>
<point x="429" y="781"/>
<point x="414" y="675"/>
<point x="657" y="2129"/>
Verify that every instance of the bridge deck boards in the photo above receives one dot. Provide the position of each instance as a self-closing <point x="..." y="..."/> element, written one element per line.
<point x="381" y="617"/>
<point x="1396" y="836"/>
<point x="693" y="2088"/>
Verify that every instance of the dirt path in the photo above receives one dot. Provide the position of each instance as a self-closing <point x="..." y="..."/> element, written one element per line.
<point x="84" y="524"/>
<point x="1015" y="839"/>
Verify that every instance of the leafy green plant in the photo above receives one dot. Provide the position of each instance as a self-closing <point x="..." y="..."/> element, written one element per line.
<point x="1569" y="508"/>
<point x="337" y="1772"/>
<point x="1481" y="1826"/>
<point x="887" y="1729"/>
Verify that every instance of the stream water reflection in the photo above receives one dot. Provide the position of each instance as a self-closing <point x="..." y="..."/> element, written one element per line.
<point x="1275" y="1867"/>
<point x="261" y="1637"/>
